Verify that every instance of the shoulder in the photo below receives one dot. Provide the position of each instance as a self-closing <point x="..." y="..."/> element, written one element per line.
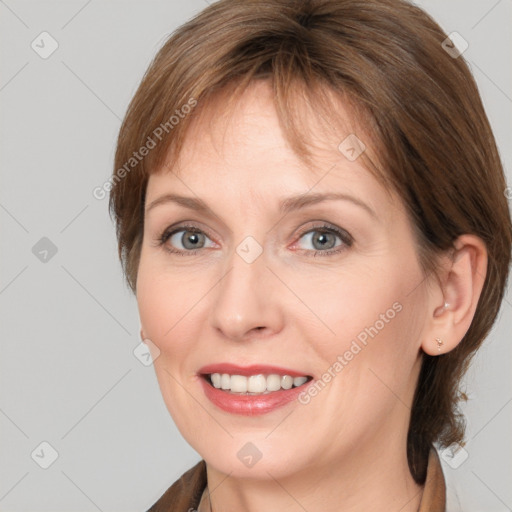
<point x="185" y="493"/>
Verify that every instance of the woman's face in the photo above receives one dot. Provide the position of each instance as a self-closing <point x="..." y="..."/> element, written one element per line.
<point x="260" y="284"/>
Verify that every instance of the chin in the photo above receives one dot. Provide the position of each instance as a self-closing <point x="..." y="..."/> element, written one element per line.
<point x="247" y="456"/>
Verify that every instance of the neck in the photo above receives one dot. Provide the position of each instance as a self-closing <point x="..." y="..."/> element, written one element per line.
<point x="367" y="480"/>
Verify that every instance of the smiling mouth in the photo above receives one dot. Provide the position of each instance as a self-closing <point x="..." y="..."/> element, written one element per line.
<point x="259" y="384"/>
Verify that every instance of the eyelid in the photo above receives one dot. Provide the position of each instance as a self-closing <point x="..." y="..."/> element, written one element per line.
<point x="322" y="224"/>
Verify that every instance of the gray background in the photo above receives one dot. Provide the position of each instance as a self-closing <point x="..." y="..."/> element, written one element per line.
<point x="69" y="325"/>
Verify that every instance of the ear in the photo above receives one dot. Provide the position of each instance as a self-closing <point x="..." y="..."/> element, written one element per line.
<point x="453" y="300"/>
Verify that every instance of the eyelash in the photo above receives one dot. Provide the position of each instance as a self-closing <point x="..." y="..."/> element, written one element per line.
<point x="345" y="237"/>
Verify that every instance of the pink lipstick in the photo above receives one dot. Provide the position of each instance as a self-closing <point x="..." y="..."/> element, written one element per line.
<point x="251" y="390"/>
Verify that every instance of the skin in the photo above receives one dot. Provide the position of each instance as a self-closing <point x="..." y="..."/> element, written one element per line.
<point x="346" y="449"/>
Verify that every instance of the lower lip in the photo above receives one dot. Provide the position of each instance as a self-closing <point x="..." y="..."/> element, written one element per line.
<point x="250" y="405"/>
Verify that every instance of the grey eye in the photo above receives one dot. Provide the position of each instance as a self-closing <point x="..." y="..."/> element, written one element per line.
<point x="320" y="240"/>
<point x="188" y="239"/>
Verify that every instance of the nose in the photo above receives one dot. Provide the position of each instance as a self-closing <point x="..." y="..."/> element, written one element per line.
<point x="245" y="303"/>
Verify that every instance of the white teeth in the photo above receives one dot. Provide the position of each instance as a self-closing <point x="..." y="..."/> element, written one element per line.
<point x="286" y="382"/>
<point x="298" y="381"/>
<point x="225" y="381"/>
<point x="273" y="382"/>
<point x="238" y="384"/>
<point x="255" y="383"/>
<point x="216" y="378"/>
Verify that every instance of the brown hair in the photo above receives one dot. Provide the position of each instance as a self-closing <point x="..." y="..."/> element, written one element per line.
<point x="420" y="105"/>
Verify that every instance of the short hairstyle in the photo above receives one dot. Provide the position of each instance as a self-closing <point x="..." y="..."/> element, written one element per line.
<point x="419" y="103"/>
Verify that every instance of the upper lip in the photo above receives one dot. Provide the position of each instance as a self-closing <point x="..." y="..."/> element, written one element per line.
<point x="254" y="369"/>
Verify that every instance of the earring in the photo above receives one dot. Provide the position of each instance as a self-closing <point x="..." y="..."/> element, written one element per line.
<point x="440" y="343"/>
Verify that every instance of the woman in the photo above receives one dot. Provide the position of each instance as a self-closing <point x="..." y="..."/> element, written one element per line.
<point x="310" y="209"/>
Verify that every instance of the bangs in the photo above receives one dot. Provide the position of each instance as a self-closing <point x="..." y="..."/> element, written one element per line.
<point x="310" y="113"/>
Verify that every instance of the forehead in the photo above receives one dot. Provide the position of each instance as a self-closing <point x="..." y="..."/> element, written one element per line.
<point x="239" y="148"/>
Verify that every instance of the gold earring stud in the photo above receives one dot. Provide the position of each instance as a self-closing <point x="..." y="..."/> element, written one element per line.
<point x="440" y="343"/>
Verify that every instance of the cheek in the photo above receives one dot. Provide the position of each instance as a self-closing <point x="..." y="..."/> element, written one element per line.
<point x="368" y="317"/>
<point x="154" y="305"/>
<point x="348" y="305"/>
<point x="164" y="305"/>
<point x="163" y="302"/>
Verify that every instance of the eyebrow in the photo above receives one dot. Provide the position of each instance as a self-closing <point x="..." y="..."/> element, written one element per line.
<point x="286" y="205"/>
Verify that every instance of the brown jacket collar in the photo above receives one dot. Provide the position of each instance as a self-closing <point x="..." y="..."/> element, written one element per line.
<point x="186" y="492"/>
<point x="434" y="491"/>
